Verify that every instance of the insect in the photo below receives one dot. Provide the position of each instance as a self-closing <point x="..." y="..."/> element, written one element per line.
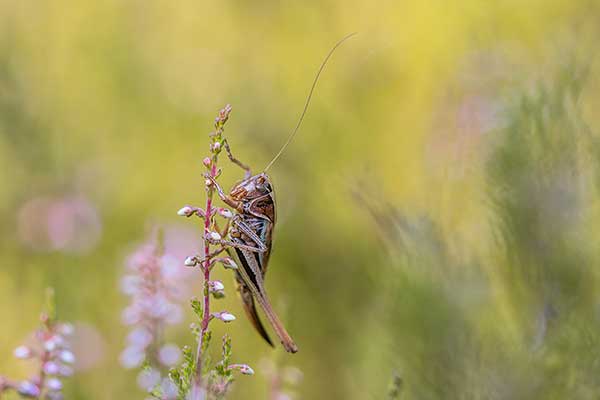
<point x="250" y="236"/>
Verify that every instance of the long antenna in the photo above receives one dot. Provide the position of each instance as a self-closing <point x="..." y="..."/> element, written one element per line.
<point x="312" y="89"/>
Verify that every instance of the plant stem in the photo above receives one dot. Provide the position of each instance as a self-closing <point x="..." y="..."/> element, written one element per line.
<point x="196" y="393"/>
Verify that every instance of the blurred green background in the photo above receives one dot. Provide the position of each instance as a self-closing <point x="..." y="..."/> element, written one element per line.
<point x="438" y="211"/>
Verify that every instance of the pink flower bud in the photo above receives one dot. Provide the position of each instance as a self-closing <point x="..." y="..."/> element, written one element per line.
<point x="185" y="211"/>
<point x="67" y="356"/>
<point x="224" y="316"/>
<point x="207" y="182"/>
<point x="28" y="389"/>
<point x="207" y="162"/>
<point x="217" y="146"/>
<point x="225" y="213"/>
<point x="214" y="236"/>
<point x="217" y="289"/>
<point x="169" y="354"/>
<point x="227" y="262"/>
<point x="51" y="344"/>
<point x="216" y="285"/>
<point x="243" y="368"/>
<point x="22" y="352"/>
<point x="54" y="384"/>
<point x="191" y="261"/>
<point x="51" y="368"/>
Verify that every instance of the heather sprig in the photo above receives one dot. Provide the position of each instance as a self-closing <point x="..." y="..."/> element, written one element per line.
<point x="50" y="348"/>
<point x="154" y="305"/>
<point x="197" y="378"/>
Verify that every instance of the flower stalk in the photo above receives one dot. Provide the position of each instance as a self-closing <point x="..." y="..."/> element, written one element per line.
<point x="197" y="378"/>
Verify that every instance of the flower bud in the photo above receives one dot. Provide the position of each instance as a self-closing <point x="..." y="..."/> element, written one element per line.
<point x="214" y="236"/>
<point x="185" y="211"/>
<point x="54" y="384"/>
<point x="50" y="344"/>
<point x="217" y="289"/>
<point x="51" y="368"/>
<point x="169" y="354"/>
<point x="224" y="316"/>
<point x="22" y="352"/>
<point x="243" y="368"/>
<point x="207" y="182"/>
<point x="227" y="263"/>
<point x="217" y="146"/>
<point x="191" y="261"/>
<point x="28" y="389"/>
<point x="225" y="213"/>
<point x="207" y="162"/>
<point x="67" y="356"/>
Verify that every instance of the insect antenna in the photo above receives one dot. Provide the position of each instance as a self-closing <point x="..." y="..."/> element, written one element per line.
<point x="308" y="98"/>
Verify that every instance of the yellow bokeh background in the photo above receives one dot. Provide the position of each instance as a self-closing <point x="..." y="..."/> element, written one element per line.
<point x="114" y="100"/>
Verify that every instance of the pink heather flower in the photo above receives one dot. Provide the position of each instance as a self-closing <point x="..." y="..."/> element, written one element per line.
<point x="156" y="285"/>
<point x="28" y="389"/>
<point x="54" y="384"/>
<point x="140" y="337"/>
<point x="67" y="356"/>
<point x="207" y="162"/>
<point x="147" y="379"/>
<point x="169" y="354"/>
<point x="51" y="368"/>
<point x="132" y="357"/>
<point x="169" y="389"/>
<point x="22" y="352"/>
<point x="51" y="350"/>
<point x="130" y="284"/>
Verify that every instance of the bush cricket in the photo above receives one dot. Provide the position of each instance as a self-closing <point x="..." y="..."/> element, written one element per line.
<point x="250" y="232"/>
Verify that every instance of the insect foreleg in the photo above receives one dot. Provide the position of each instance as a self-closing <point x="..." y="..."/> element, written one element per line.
<point x="235" y="160"/>
<point x="226" y="199"/>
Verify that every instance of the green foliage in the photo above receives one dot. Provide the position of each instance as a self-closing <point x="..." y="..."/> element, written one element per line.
<point x="183" y="376"/>
<point x="197" y="308"/>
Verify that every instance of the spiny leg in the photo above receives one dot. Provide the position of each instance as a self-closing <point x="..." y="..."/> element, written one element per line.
<point x="236" y="161"/>
<point x="224" y="242"/>
<point x="226" y="199"/>
<point x="242" y="226"/>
